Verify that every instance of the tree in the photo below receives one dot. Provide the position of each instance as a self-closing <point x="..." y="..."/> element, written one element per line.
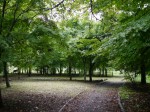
<point x="14" y="12"/>
<point x="128" y="45"/>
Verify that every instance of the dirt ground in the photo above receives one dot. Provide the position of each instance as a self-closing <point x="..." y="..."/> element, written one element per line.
<point x="136" y="98"/>
<point x="44" y="95"/>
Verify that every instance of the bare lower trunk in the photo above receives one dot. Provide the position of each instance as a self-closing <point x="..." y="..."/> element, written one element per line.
<point x="70" y="71"/>
<point x="6" y="74"/>
<point x="1" y="101"/>
<point x="143" y="73"/>
<point x="84" y="73"/>
<point x="84" y="65"/>
<point x="29" y="71"/>
<point x="19" y="71"/>
<point x="91" y="70"/>
<point x="105" y="72"/>
<point x="100" y="72"/>
<point x="60" y="69"/>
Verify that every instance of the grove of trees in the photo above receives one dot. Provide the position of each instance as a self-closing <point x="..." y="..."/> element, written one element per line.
<point x="80" y="35"/>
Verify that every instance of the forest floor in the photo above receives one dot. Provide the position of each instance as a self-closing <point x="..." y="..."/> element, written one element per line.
<point x="135" y="97"/>
<point x="44" y="94"/>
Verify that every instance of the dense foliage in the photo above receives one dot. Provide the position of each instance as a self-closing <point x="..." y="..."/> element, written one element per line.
<point x="78" y="36"/>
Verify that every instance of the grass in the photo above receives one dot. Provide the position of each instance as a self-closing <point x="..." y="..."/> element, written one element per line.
<point x="138" y="79"/>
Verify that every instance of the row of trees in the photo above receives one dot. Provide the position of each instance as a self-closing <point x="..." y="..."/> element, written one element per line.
<point x="87" y="35"/>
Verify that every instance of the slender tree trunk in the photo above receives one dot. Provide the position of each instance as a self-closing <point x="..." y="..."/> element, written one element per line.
<point x="53" y="71"/>
<point x="69" y="67"/>
<point x="19" y="71"/>
<point x="112" y="74"/>
<point x="84" y="67"/>
<point x="135" y="74"/>
<point x="74" y="70"/>
<point x="29" y="72"/>
<point x="91" y="70"/>
<point x="105" y="72"/>
<point x="26" y="71"/>
<point x="60" y="69"/>
<point x="47" y="70"/>
<point x="37" y="70"/>
<point x="41" y="71"/>
<point x="6" y="74"/>
<point x="84" y="72"/>
<point x="143" y="72"/>
<point x="1" y="100"/>
<point x="100" y="72"/>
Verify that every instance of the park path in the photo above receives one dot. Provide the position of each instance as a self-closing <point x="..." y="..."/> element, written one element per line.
<point x="103" y="98"/>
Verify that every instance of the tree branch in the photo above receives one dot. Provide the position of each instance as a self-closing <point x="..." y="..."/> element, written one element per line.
<point x="2" y="16"/>
<point x="13" y="21"/>
<point x="46" y="9"/>
<point x="91" y="5"/>
<point x="101" y="37"/>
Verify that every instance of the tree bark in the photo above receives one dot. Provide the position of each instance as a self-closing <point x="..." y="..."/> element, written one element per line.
<point x="103" y="71"/>
<point x="19" y="71"/>
<point x="84" y="67"/>
<point x="60" y="69"/>
<point x="6" y="74"/>
<point x="100" y="72"/>
<point x="106" y="72"/>
<point x="1" y="100"/>
<point x="29" y="73"/>
<point x="91" y="70"/>
<point x="84" y="72"/>
<point x="143" y="72"/>
<point x="69" y="67"/>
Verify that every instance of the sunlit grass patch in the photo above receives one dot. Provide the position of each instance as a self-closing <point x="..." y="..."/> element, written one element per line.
<point x="125" y="92"/>
<point x="138" y="79"/>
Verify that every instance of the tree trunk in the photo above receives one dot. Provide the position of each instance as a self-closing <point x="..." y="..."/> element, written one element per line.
<point x="19" y="71"/>
<point x="135" y="74"/>
<point x="74" y="71"/>
<point x="91" y="70"/>
<point x="100" y="72"/>
<point x="53" y="71"/>
<point x="84" y="67"/>
<point x="1" y="101"/>
<point x="41" y="71"/>
<point x="84" y="72"/>
<point x="60" y="69"/>
<point x="29" y="73"/>
<point x="143" y="72"/>
<point x="105" y="72"/>
<point x="6" y="74"/>
<point x="112" y="74"/>
<point x="70" y="70"/>
<point x="47" y="70"/>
